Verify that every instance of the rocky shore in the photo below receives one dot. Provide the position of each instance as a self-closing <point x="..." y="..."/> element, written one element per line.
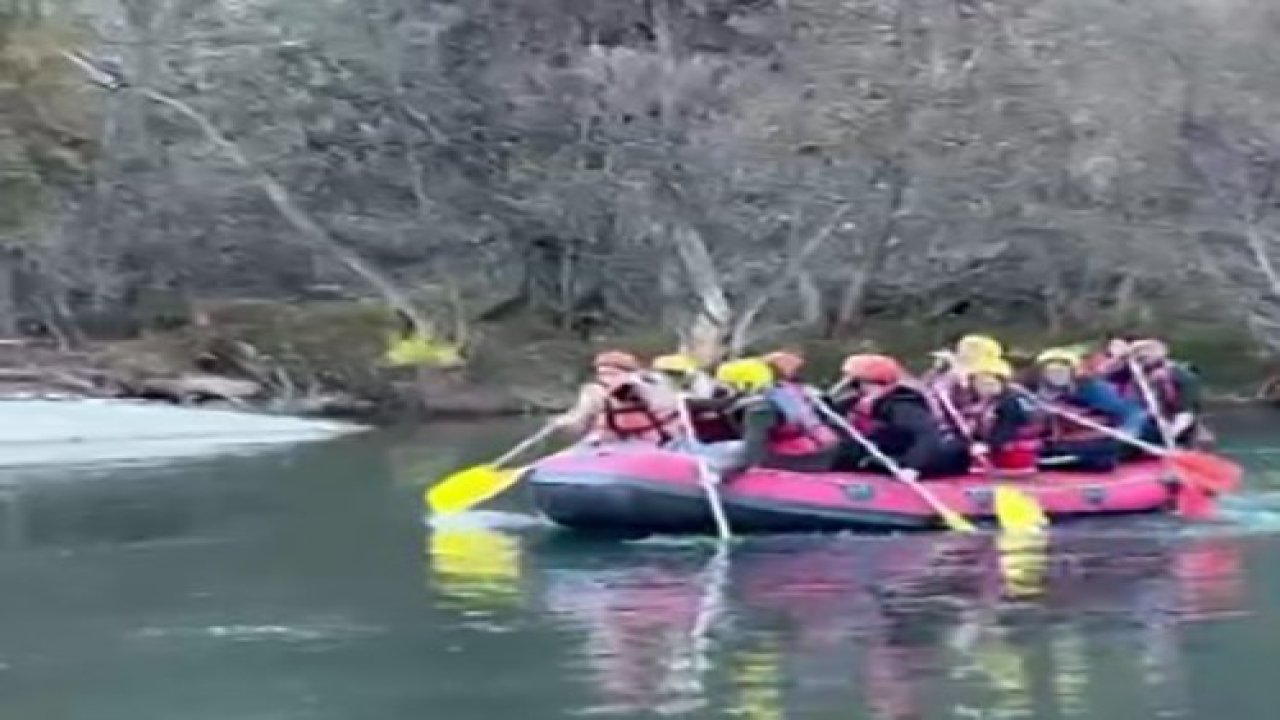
<point x="329" y="360"/>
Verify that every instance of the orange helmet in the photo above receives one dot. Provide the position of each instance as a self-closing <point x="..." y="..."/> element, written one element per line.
<point x="616" y="359"/>
<point x="873" y="368"/>
<point x="785" y="363"/>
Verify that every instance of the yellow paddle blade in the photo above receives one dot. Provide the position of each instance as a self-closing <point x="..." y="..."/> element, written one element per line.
<point x="1018" y="512"/>
<point x="957" y="522"/>
<point x="467" y="488"/>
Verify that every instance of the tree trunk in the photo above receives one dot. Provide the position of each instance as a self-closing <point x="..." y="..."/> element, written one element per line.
<point x="739" y="338"/>
<point x="1123" y="308"/>
<point x="811" y="307"/>
<point x="8" y="303"/>
<point x="704" y="337"/>
<point x="308" y="228"/>
<point x="872" y="255"/>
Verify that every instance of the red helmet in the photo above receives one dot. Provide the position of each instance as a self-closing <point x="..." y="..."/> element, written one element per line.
<point x="616" y="359"/>
<point x="785" y="363"/>
<point x="880" y="369"/>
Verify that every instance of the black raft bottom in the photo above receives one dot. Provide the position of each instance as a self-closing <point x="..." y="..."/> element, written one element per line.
<point x="629" y="507"/>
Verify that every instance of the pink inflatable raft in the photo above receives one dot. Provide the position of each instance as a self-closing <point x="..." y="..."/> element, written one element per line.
<point x="641" y="489"/>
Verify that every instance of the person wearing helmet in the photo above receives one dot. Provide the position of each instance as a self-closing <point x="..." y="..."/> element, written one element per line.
<point x="707" y="402"/>
<point x="973" y="349"/>
<point x="683" y="375"/>
<point x="779" y="425"/>
<point x="968" y="351"/>
<point x="895" y="413"/>
<point x="999" y="423"/>
<point x="621" y="404"/>
<point x="948" y="382"/>
<point x="786" y="365"/>
<point x="1068" y="445"/>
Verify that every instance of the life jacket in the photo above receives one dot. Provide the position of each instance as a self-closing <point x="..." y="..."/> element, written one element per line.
<point x="1019" y="453"/>
<point x="713" y="424"/>
<point x="630" y="419"/>
<point x="937" y="394"/>
<point x="980" y="416"/>
<point x="862" y="416"/>
<point x="1162" y="380"/>
<point x="801" y="431"/>
<point x="1056" y="428"/>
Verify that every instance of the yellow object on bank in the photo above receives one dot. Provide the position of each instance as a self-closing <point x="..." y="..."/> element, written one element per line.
<point x="417" y="351"/>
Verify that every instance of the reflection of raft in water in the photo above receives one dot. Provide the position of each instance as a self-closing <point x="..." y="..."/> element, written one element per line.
<point x="874" y="612"/>
<point x="643" y="489"/>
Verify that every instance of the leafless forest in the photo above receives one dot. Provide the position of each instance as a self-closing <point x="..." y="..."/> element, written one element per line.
<point x="730" y="168"/>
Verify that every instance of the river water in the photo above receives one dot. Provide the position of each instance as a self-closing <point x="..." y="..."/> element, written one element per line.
<point x="304" y="582"/>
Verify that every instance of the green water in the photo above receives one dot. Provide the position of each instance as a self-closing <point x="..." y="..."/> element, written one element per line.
<point x="304" y="583"/>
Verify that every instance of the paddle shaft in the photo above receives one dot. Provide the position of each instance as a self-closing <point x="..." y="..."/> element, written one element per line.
<point x="893" y="467"/>
<point x="984" y="463"/>
<point x="706" y="477"/>
<point x="525" y="444"/>
<point x="1107" y="430"/>
<point x="953" y="413"/>
<point x="1149" y="399"/>
<point x="1190" y="501"/>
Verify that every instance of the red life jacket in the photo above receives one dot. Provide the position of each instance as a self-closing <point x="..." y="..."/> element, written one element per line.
<point x="1021" y="452"/>
<point x="862" y="415"/>
<point x="630" y="419"/>
<point x="937" y="394"/>
<point x="980" y="416"/>
<point x="801" y="431"/>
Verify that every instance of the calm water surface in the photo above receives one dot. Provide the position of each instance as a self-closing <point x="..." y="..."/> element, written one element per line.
<point x="304" y="583"/>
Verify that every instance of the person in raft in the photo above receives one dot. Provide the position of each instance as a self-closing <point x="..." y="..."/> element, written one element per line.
<point x="683" y="375"/>
<point x="1176" y="390"/>
<point x="948" y="382"/>
<point x="621" y="404"/>
<point x="1109" y="362"/>
<point x="786" y="365"/>
<point x="702" y="395"/>
<point x="897" y="416"/>
<point x="1069" y="445"/>
<point x="1000" y="425"/>
<point x="778" y="424"/>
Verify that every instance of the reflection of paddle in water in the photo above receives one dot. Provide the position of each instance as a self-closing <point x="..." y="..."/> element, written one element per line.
<point x="692" y="660"/>
<point x="475" y="566"/>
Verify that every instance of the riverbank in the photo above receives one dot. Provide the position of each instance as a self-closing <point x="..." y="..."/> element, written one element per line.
<point x="331" y="360"/>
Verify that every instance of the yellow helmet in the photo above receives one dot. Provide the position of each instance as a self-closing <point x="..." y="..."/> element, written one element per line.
<point x="1059" y="355"/>
<point x="979" y="346"/>
<point x="993" y="366"/>
<point x="675" y="363"/>
<point x="745" y="376"/>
